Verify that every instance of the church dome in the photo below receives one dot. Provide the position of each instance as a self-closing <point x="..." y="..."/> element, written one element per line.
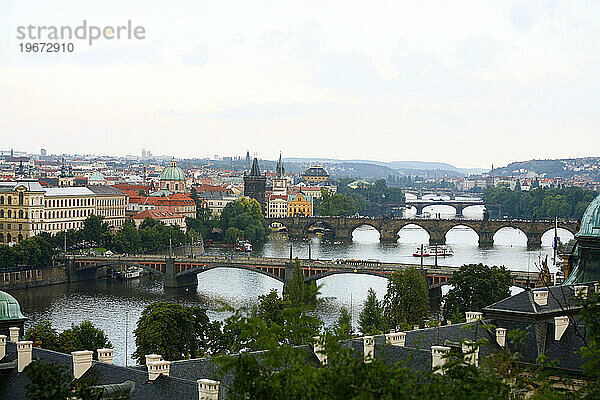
<point x="9" y="308"/>
<point x="590" y="223"/>
<point x="173" y="173"/>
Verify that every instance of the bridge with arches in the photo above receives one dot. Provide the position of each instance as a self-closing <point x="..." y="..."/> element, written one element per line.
<point x="183" y="271"/>
<point x="341" y="228"/>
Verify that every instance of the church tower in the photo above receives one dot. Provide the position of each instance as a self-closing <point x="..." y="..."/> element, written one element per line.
<point x="280" y="183"/>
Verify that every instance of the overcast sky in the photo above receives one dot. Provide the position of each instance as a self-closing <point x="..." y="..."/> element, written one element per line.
<point x="469" y="83"/>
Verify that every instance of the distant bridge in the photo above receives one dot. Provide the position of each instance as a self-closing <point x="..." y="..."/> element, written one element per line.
<point x="341" y="228"/>
<point x="182" y="271"/>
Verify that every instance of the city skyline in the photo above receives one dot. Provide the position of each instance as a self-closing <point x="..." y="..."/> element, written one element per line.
<point x="468" y="84"/>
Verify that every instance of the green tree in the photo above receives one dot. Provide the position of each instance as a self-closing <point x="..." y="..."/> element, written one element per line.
<point x="406" y="301"/>
<point x="233" y="234"/>
<point x="343" y="326"/>
<point x="370" y="320"/>
<point x="174" y="331"/>
<point x="94" y="229"/>
<point x="42" y="334"/>
<point x="53" y="382"/>
<point x="245" y="215"/>
<point x="84" y="336"/>
<point x="475" y="286"/>
<point x="335" y="204"/>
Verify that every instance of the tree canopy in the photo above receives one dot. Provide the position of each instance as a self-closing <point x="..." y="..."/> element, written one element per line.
<point x="406" y="301"/>
<point x="475" y="286"/>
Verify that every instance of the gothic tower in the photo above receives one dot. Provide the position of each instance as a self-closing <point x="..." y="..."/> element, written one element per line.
<point x="255" y="185"/>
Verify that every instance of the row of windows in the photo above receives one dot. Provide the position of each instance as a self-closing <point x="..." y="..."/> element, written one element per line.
<point x="10" y="238"/>
<point x="9" y="214"/>
<point x="10" y="226"/>
<point x="9" y="199"/>
<point x="67" y="214"/>
<point x="69" y="202"/>
<point x="111" y="202"/>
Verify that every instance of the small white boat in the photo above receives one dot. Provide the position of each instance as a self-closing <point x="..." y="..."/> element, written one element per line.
<point x="432" y="251"/>
<point x="130" y="273"/>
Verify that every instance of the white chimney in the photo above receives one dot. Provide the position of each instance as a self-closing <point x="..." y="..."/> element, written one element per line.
<point x="152" y="357"/>
<point x="208" y="389"/>
<point x="560" y="326"/>
<point x="473" y="316"/>
<point x="14" y="334"/>
<point x="319" y="350"/>
<point x="24" y="350"/>
<point x="82" y="361"/>
<point x="439" y="358"/>
<point x="105" y="355"/>
<point x="156" y="368"/>
<point x="540" y="297"/>
<point x="471" y="353"/>
<point x="368" y="348"/>
<point x="501" y="336"/>
<point x="581" y="291"/>
<point x="2" y="346"/>
<point x="395" y="338"/>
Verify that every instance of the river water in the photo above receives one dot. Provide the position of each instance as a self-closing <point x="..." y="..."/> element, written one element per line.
<point x="115" y="306"/>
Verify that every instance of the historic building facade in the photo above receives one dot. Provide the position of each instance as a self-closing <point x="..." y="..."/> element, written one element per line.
<point x="111" y="204"/>
<point x="299" y="206"/>
<point x="21" y="210"/>
<point x="172" y="179"/>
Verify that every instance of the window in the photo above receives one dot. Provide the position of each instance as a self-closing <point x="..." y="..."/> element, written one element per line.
<point x="9" y="213"/>
<point x="1" y="213"/>
<point x="9" y="200"/>
<point x="1" y="199"/>
<point x="38" y="273"/>
<point x="21" y="198"/>
<point x="20" y="214"/>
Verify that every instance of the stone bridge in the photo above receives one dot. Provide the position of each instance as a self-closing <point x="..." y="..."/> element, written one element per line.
<point x="183" y="271"/>
<point x="495" y="210"/>
<point x="341" y="228"/>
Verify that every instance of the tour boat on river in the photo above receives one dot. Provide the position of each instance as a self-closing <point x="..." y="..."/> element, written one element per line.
<point x="432" y="251"/>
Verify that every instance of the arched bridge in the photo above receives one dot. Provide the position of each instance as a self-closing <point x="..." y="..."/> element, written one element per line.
<point x="182" y="271"/>
<point x="341" y="228"/>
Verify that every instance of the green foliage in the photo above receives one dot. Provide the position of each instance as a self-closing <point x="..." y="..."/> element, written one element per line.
<point x="53" y="382"/>
<point x="366" y="198"/>
<point x="233" y="234"/>
<point x="43" y="335"/>
<point x="94" y="230"/>
<point x="343" y="326"/>
<point x="245" y="215"/>
<point x="475" y="287"/>
<point x="35" y="251"/>
<point x="174" y="331"/>
<point x="371" y="320"/>
<point x="299" y="293"/>
<point x="590" y="314"/>
<point x="406" y="301"/>
<point x="84" y="336"/>
<point x="335" y="204"/>
<point x="569" y="203"/>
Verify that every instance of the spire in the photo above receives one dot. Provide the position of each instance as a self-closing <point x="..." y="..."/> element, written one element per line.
<point x="280" y="169"/>
<point x="255" y="170"/>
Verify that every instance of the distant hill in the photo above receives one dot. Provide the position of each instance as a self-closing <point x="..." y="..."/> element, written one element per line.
<point x="404" y="167"/>
<point x="568" y="168"/>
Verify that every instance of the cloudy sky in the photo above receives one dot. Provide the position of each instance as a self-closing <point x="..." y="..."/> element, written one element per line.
<point x="469" y="83"/>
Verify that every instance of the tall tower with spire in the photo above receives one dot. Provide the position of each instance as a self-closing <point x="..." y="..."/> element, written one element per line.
<point x="280" y="183"/>
<point x="255" y="185"/>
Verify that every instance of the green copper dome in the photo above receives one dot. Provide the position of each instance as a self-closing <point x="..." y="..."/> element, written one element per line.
<point x="9" y="308"/>
<point x="590" y="223"/>
<point x="173" y="173"/>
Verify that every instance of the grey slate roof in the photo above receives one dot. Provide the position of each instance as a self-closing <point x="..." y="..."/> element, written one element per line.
<point x="103" y="190"/>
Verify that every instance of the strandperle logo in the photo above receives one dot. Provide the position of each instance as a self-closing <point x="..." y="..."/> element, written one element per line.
<point x="91" y="33"/>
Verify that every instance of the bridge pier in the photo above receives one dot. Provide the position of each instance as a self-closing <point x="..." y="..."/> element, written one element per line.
<point x="437" y="238"/>
<point x="388" y="236"/>
<point x="534" y="240"/>
<point x="486" y="239"/>
<point x="459" y="211"/>
<point x="343" y="235"/>
<point x="174" y="281"/>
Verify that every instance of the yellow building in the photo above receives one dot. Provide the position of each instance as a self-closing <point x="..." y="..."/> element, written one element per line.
<point x="299" y="206"/>
<point x="21" y="210"/>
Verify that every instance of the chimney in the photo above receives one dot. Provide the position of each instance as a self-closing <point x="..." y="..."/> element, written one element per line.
<point x="540" y="297"/>
<point x="473" y="316"/>
<point x="24" y="350"/>
<point x="560" y="326"/>
<point x="395" y="338"/>
<point x="319" y="350"/>
<point x="368" y="348"/>
<point x="208" y="389"/>
<point x="581" y="291"/>
<point x="470" y="352"/>
<point x="156" y="368"/>
<point x="439" y="358"/>
<point x="2" y="346"/>
<point x="501" y="336"/>
<point x="105" y="355"/>
<point x="14" y="334"/>
<point x="152" y="357"/>
<point x="82" y="361"/>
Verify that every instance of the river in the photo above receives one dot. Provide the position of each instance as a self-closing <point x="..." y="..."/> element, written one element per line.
<point x="115" y="306"/>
